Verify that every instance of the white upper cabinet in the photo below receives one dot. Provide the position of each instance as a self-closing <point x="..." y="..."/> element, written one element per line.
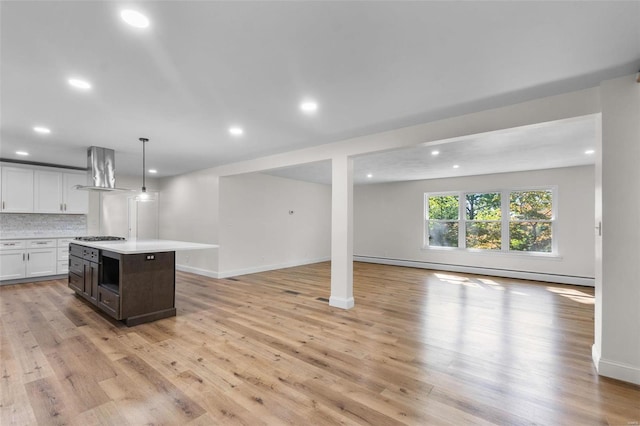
<point x="26" y="190"/>
<point x="47" y="192"/>
<point x="75" y="201"/>
<point x="17" y="190"/>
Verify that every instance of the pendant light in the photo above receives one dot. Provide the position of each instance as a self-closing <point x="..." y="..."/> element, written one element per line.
<point x="144" y="195"/>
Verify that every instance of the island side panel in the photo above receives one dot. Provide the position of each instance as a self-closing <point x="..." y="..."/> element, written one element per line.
<point x="147" y="286"/>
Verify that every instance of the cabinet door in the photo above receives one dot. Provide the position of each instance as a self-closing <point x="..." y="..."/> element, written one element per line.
<point x="17" y="190"/>
<point x="47" y="192"/>
<point x="74" y="201"/>
<point x="12" y="264"/>
<point x="41" y="262"/>
<point x="90" y="288"/>
<point x="94" y="283"/>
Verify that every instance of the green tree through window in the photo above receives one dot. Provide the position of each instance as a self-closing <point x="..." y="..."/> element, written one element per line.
<point x="442" y="220"/>
<point x="483" y="228"/>
<point x="530" y="214"/>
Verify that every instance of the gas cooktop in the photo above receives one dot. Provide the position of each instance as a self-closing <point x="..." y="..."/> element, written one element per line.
<point x="100" y="238"/>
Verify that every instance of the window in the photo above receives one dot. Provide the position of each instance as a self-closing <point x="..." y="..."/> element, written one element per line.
<point x="502" y="221"/>
<point x="483" y="227"/>
<point x="530" y="221"/>
<point x="442" y="216"/>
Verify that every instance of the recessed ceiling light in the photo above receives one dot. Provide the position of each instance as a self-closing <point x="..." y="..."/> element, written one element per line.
<point x="236" y="131"/>
<point x="456" y="166"/>
<point x="369" y="175"/>
<point x="22" y="153"/>
<point x="309" y="107"/>
<point x="43" y="130"/>
<point x="134" y="18"/>
<point x="590" y="151"/>
<point x="79" y="83"/>
<point x="435" y="152"/>
<point x="153" y="171"/>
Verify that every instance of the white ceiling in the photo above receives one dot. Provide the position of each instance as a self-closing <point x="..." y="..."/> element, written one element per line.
<point x="372" y="66"/>
<point x="541" y="146"/>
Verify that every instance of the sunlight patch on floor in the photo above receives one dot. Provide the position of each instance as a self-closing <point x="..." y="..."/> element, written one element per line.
<point x="573" y="294"/>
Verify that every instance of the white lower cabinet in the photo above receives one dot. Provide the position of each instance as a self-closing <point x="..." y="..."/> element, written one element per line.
<point x="41" y="262"/>
<point x="63" y="255"/>
<point x="12" y="264"/>
<point x="27" y="259"/>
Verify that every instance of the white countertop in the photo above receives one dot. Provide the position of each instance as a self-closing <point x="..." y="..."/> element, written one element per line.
<point x="49" y="236"/>
<point x="145" y="246"/>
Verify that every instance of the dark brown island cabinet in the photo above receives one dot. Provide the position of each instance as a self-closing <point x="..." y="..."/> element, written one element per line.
<point x="134" y="288"/>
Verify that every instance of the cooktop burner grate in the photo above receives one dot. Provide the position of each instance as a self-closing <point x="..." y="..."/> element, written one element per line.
<point x="100" y="238"/>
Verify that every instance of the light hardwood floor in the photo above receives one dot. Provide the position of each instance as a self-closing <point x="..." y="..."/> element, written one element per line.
<point x="420" y="347"/>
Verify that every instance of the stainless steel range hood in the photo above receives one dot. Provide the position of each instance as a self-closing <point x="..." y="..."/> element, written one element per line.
<point x="101" y="167"/>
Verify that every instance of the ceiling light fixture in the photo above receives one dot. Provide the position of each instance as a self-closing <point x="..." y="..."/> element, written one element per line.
<point x="153" y="171"/>
<point x="369" y="175"/>
<point x="144" y="195"/>
<point x="22" y="153"/>
<point x="134" y="18"/>
<point x="236" y="131"/>
<point x="456" y="166"/>
<point x="435" y="152"/>
<point x="42" y="130"/>
<point x="309" y="107"/>
<point x="79" y="83"/>
<point x="590" y="151"/>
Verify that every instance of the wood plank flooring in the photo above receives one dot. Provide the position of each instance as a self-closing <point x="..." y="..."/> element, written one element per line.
<point x="420" y="348"/>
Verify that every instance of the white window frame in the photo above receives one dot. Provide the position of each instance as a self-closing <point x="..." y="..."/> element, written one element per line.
<point x="505" y="197"/>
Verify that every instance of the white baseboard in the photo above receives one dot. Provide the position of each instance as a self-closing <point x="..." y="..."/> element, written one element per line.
<point x="619" y="371"/>
<point x="340" y="302"/>
<point x="245" y="271"/>
<point x="272" y="267"/>
<point x="198" y="271"/>
<point x="524" y="275"/>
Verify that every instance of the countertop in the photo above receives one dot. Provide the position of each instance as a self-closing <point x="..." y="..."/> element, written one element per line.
<point x="145" y="246"/>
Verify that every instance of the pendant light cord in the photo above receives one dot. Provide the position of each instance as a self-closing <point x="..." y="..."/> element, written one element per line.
<point x="144" y="140"/>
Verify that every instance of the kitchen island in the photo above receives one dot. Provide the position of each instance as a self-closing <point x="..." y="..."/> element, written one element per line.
<point x="132" y="281"/>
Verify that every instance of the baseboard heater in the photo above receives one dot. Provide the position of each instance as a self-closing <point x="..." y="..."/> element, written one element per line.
<point x="478" y="270"/>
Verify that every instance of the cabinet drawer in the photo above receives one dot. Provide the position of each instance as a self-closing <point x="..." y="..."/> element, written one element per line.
<point x="41" y="243"/>
<point x="75" y="250"/>
<point x="12" y="244"/>
<point x="63" y="253"/>
<point x="63" y="267"/>
<point x="76" y="282"/>
<point x="64" y="242"/>
<point x="76" y="265"/>
<point x="109" y="302"/>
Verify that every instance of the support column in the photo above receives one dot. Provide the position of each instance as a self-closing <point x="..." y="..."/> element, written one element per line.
<point x="616" y="351"/>
<point x="342" y="233"/>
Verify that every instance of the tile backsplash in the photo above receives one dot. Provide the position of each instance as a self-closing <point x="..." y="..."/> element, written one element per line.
<point x="14" y="225"/>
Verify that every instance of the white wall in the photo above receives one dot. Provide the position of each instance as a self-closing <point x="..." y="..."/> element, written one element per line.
<point x="189" y="212"/>
<point x="617" y="346"/>
<point x="388" y="220"/>
<point x="257" y="232"/>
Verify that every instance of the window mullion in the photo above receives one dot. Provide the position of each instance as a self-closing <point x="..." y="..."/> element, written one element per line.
<point x="462" y="223"/>
<point x="506" y="214"/>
